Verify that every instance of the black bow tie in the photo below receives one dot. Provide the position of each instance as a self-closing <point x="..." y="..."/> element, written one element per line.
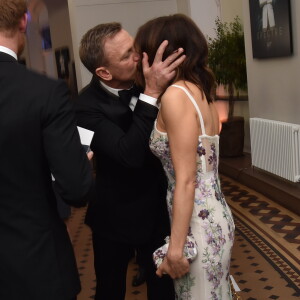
<point x="126" y="95"/>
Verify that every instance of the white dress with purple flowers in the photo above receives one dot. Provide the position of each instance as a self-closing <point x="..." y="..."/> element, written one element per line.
<point x="211" y="222"/>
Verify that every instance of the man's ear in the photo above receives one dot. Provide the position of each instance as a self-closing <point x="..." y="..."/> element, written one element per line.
<point x="23" y="23"/>
<point x="103" y="73"/>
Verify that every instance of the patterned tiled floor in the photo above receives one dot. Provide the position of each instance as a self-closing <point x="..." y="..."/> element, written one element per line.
<point x="265" y="259"/>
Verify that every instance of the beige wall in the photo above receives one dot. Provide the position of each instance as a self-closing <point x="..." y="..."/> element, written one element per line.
<point x="230" y="9"/>
<point x="274" y="83"/>
<point x="59" y="23"/>
<point x="34" y="53"/>
<point x="204" y="13"/>
<point x="184" y="7"/>
<point x="55" y="14"/>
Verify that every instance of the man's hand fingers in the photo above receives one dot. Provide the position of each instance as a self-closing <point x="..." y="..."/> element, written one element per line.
<point x="172" y="67"/>
<point x="160" y="51"/>
<point x="145" y="62"/>
<point x="170" y="70"/>
<point x="169" y="75"/>
<point x="173" y="57"/>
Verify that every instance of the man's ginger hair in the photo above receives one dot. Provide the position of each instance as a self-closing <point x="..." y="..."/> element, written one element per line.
<point x="11" y="12"/>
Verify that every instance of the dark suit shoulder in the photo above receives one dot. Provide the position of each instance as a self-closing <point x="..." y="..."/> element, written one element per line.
<point x="94" y="91"/>
<point x="20" y="70"/>
<point x="93" y="98"/>
<point x="40" y="82"/>
<point x="35" y="89"/>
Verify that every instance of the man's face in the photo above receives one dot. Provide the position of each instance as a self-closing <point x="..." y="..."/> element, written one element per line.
<point x="122" y="59"/>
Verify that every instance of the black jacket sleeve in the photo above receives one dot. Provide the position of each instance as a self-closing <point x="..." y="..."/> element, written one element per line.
<point x="66" y="157"/>
<point x="126" y="147"/>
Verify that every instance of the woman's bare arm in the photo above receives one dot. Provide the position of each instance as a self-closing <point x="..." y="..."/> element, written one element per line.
<point x="179" y="117"/>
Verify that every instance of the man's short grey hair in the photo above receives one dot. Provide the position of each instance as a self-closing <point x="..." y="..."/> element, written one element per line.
<point x="91" y="50"/>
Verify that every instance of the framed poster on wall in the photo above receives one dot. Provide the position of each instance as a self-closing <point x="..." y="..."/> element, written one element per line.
<point x="271" y="30"/>
<point x="62" y="58"/>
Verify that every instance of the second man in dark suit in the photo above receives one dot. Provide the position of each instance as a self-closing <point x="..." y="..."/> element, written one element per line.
<point x="130" y="210"/>
<point x="38" y="136"/>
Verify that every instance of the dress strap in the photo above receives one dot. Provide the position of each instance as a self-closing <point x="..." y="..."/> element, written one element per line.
<point x="195" y="104"/>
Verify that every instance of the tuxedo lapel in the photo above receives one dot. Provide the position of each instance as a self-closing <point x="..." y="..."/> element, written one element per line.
<point x="114" y="109"/>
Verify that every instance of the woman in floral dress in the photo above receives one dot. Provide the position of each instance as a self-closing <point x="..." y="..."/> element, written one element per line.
<point x="185" y="138"/>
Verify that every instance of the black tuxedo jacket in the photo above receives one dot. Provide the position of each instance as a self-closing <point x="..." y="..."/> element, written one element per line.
<point x="38" y="136"/>
<point x="130" y="205"/>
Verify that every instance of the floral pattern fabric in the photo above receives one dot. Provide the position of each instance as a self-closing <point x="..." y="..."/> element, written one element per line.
<point x="211" y="224"/>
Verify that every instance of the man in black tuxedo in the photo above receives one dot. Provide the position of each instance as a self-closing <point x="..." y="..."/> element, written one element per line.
<point x="38" y="136"/>
<point x="129" y="211"/>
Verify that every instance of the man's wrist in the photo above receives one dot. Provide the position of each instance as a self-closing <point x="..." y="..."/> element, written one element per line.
<point x="148" y="99"/>
<point x="151" y="93"/>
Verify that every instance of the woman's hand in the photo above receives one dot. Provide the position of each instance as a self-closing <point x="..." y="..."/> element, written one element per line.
<point x="175" y="266"/>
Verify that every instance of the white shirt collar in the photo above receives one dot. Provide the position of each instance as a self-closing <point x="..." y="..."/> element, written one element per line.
<point x="110" y="89"/>
<point x="115" y="92"/>
<point x="9" y="52"/>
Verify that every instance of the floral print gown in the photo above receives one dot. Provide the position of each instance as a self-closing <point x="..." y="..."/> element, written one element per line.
<point x="211" y="223"/>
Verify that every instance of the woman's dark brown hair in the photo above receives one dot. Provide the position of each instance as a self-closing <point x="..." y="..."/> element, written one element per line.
<point x="181" y="32"/>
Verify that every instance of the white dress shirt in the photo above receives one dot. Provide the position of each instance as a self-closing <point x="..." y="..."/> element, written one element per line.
<point x="9" y="52"/>
<point x="148" y="99"/>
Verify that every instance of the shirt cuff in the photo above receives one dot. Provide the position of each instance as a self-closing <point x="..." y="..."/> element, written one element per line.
<point x="148" y="99"/>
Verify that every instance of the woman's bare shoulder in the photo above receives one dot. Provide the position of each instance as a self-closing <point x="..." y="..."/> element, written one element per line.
<point x="176" y="102"/>
<point x="190" y="87"/>
<point x="173" y="92"/>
